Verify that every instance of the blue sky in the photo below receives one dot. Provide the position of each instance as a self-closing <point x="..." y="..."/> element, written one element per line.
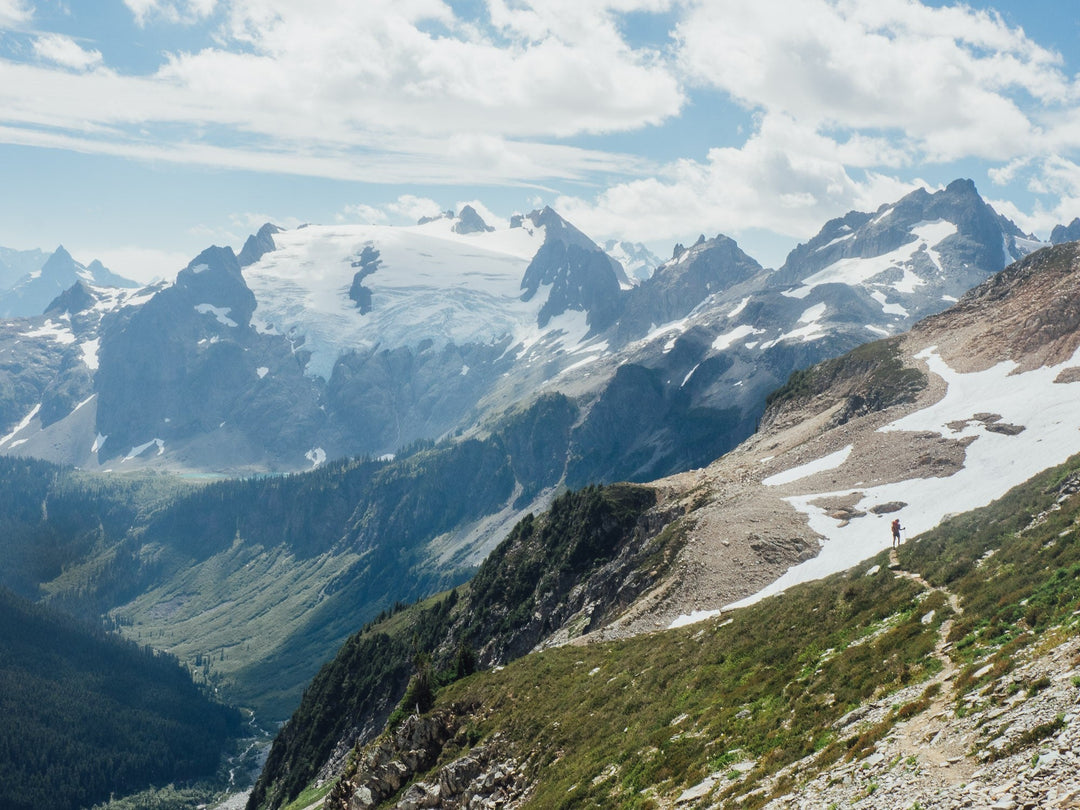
<point x="141" y="131"/>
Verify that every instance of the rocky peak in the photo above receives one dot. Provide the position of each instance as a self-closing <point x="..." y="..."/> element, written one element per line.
<point x="214" y="278"/>
<point x="447" y="214"/>
<point x="948" y="241"/>
<point x="676" y="287"/>
<point x="75" y="298"/>
<point x="637" y="260"/>
<point x="470" y="222"/>
<point x="1063" y="233"/>
<point x="58" y="263"/>
<point x="258" y="245"/>
<point x="581" y="275"/>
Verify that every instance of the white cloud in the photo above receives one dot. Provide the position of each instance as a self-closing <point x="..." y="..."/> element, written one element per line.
<point x="949" y="80"/>
<point x="354" y="90"/>
<point x="1055" y="178"/>
<point x="66" y="52"/>
<point x="350" y="67"/>
<point x="786" y="178"/>
<point x="412" y="208"/>
<point x="364" y="214"/>
<point x="174" y="11"/>
<point x="14" y="13"/>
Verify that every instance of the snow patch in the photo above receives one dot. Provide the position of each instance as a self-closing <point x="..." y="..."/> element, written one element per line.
<point x="741" y="331"/>
<point x="135" y="452"/>
<point x="738" y="310"/>
<point x="994" y="462"/>
<point x="50" y="329"/>
<point x="221" y="313"/>
<point x="692" y="618"/>
<point x="316" y="455"/>
<point x="689" y="374"/>
<point x="99" y="441"/>
<point x="90" y="353"/>
<point x="888" y="309"/>
<point x="812" y="330"/>
<point x="829" y="462"/>
<point x="262" y="371"/>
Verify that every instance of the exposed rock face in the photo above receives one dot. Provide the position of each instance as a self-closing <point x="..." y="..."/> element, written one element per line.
<point x="1065" y="233"/>
<point x="368" y="263"/>
<point x="709" y="267"/>
<point x="582" y="277"/>
<point x="470" y="222"/>
<point x="483" y="776"/>
<point x="162" y="368"/>
<point x="258" y="245"/>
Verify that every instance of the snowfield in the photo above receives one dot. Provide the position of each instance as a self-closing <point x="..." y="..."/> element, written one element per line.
<point x="429" y="283"/>
<point x="994" y="463"/>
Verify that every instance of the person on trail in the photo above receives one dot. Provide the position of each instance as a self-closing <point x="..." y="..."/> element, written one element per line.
<point x="896" y="527"/>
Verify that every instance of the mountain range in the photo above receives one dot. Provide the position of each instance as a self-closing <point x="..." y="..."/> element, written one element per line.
<point x="449" y="385"/>
<point x="31" y="279"/>
<point x="342" y="341"/>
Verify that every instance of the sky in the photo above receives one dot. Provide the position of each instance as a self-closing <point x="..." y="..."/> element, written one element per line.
<point x="139" y="132"/>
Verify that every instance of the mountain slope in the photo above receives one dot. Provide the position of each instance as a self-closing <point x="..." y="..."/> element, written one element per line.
<point x="971" y="630"/>
<point x="905" y="427"/>
<point x="87" y="715"/>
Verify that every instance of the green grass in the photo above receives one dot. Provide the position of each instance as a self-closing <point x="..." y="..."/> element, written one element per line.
<point x="595" y="724"/>
<point x="310" y="796"/>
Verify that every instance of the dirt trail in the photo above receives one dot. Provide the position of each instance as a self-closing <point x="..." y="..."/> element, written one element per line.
<point x="924" y="735"/>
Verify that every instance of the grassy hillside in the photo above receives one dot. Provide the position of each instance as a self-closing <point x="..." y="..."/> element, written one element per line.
<point x="520" y="594"/>
<point x="635" y="723"/>
<point x="87" y="715"/>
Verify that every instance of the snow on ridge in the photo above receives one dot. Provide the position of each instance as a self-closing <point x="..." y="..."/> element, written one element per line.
<point x="994" y="462"/>
<point x="837" y="240"/>
<point x="854" y="271"/>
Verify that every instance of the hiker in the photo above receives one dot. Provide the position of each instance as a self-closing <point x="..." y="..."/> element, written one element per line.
<point x="896" y="527"/>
